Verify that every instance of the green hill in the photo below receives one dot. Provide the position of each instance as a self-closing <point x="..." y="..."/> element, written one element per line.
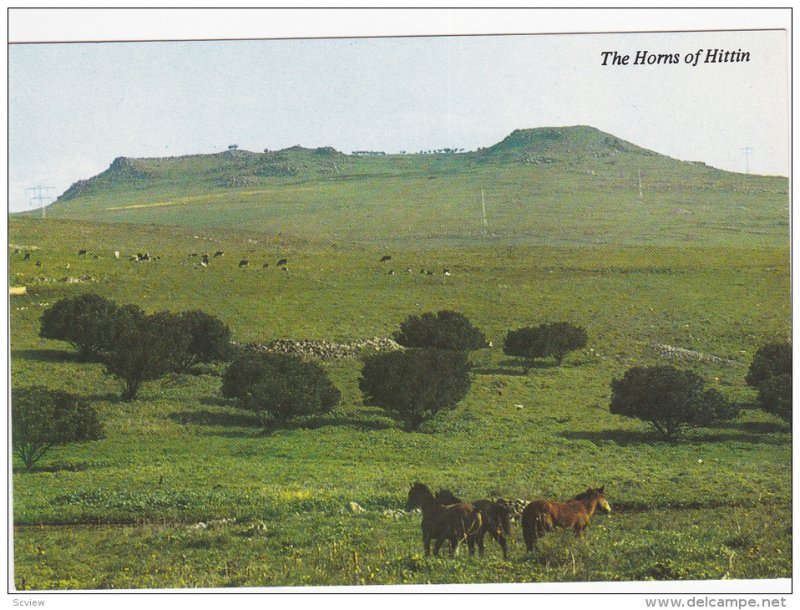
<point x="553" y="186"/>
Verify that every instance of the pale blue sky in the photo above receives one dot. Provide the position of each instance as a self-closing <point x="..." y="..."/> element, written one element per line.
<point x="73" y="108"/>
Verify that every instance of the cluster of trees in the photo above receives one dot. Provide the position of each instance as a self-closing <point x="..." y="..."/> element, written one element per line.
<point x="673" y="400"/>
<point x="133" y="346"/>
<point x="430" y="375"/>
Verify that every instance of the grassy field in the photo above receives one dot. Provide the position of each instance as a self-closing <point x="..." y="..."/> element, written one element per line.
<point x="187" y="491"/>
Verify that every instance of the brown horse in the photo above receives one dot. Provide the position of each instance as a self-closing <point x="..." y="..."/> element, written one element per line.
<point x="452" y="522"/>
<point x="495" y="518"/>
<point x="542" y="516"/>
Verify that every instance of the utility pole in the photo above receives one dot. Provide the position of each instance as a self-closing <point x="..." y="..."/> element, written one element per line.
<point x="747" y="151"/>
<point x="641" y="196"/>
<point x="40" y="194"/>
<point x="483" y="211"/>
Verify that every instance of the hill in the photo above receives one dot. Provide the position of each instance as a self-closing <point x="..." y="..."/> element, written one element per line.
<point x="554" y="186"/>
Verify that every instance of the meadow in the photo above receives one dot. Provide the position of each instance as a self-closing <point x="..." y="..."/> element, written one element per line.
<point x="188" y="491"/>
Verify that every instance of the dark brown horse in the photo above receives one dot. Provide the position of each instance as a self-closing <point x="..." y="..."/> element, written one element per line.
<point x="495" y="518"/>
<point x="452" y="522"/>
<point x="542" y="516"/>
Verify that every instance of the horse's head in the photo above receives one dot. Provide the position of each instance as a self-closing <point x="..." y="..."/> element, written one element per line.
<point x="418" y="495"/>
<point x="596" y="497"/>
<point x="602" y="503"/>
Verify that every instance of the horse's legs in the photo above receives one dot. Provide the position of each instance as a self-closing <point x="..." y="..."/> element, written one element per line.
<point x="426" y="541"/>
<point x="481" y="534"/>
<point x="453" y="545"/>
<point x="471" y="545"/>
<point x="437" y="546"/>
<point x="529" y="534"/>
<point x="502" y="541"/>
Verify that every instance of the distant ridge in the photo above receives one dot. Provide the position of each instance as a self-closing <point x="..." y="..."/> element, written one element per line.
<point x="241" y="168"/>
<point x="559" y="144"/>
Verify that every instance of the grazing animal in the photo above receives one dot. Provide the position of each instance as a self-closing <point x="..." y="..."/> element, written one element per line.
<point x="38" y="263"/>
<point x="391" y="272"/>
<point x="203" y="264"/>
<point x="143" y="257"/>
<point x="542" y="516"/>
<point x="27" y="256"/>
<point x="282" y="262"/>
<point x="81" y="252"/>
<point x="244" y="263"/>
<point x="447" y="272"/>
<point x="385" y="258"/>
<point x="495" y="519"/>
<point x="116" y="253"/>
<point x="454" y="522"/>
<point x="218" y="253"/>
<point x="205" y="259"/>
<point x="265" y="265"/>
<point x="16" y="250"/>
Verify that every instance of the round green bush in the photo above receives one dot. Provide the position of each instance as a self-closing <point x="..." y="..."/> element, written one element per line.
<point x="446" y="330"/>
<point x="413" y="385"/>
<point x="668" y="399"/>
<point x="554" y="340"/>
<point x="278" y="387"/>
<point x="144" y="347"/>
<point x="82" y="321"/>
<point x="775" y="396"/>
<point x="770" y="360"/>
<point x="42" y="419"/>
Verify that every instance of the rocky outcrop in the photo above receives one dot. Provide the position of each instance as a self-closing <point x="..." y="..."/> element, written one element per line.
<point x="322" y="349"/>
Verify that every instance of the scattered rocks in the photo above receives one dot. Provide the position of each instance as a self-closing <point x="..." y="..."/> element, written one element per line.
<point x="680" y="353"/>
<point x="355" y="507"/>
<point x="323" y="350"/>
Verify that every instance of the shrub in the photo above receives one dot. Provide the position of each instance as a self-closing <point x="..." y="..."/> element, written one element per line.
<point x="144" y="347"/>
<point x="446" y="330"/>
<point x="209" y="338"/>
<point x="42" y="419"/>
<point x="770" y="360"/>
<point x="415" y="384"/>
<point x="81" y="320"/>
<point x="279" y="387"/>
<point x="556" y="339"/>
<point x="775" y="396"/>
<point x="668" y="399"/>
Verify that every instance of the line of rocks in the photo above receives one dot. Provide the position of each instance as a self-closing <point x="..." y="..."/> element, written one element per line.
<point x="680" y="353"/>
<point x="322" y="349"/>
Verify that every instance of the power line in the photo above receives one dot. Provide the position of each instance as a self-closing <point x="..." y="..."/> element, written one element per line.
<point x="40" y="194"/>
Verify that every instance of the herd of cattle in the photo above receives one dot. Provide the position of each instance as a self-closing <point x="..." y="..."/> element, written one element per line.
<point x="205" y="260"/>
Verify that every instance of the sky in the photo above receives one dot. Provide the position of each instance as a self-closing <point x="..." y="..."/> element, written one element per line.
<point x="74" y="108"/>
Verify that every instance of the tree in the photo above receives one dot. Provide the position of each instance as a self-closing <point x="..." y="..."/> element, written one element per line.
<point x="669" y="399"/>
<point x="42" y="419"/>
<point x="447" y="330"/>
<point x="415" y="384"/>
<point x="81" y="320"/>
<point x="278" y="387"/>
<point x="144" y="347"/>
<point x="209" y="338"/>
<point x="555" y="340"/>
<point x="770" y="360"/>
<point x="775" y="396"/>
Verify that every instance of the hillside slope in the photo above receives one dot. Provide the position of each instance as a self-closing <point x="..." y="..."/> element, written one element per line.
<point x="566" y="185"/>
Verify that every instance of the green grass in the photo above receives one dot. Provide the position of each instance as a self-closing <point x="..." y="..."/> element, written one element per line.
<point x="118" y="512"/>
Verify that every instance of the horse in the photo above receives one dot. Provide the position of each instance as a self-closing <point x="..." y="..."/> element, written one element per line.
<point x="495" y="519"/>
<point x="542" y="516"/>
<point x="452" y="522"/>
